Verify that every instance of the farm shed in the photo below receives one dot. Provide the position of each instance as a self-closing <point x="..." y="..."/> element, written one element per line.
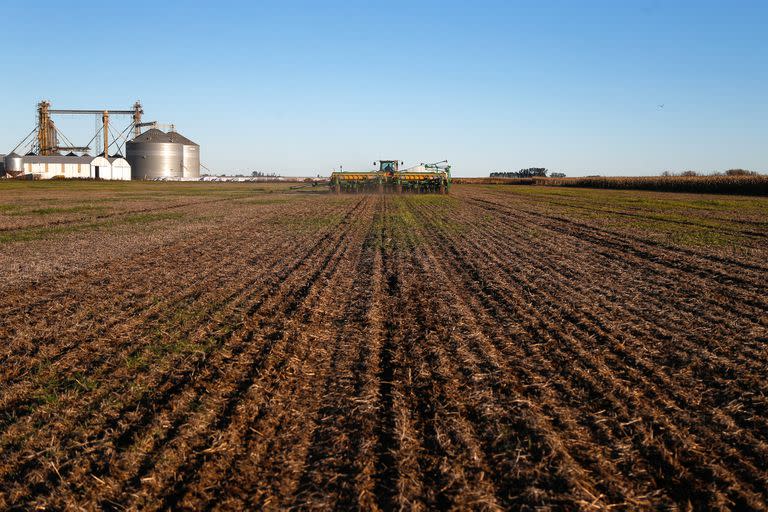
<point x="120" y="169"/>
<point x="100" y="168"/>
<point x="56" y="166"/>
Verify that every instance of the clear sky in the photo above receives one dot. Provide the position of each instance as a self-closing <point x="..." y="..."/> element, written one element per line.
<point x="300" y="87"/>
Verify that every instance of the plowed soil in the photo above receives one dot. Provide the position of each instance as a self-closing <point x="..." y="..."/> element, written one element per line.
<point x="229" y="347"/>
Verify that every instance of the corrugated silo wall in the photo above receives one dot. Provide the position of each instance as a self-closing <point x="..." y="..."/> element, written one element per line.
<point x="14" y="163"/>
<point x="191" y="161"/>
<point x="151" y="160"/>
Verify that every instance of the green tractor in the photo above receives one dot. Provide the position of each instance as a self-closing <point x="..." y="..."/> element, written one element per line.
<point x="421" y="179"/>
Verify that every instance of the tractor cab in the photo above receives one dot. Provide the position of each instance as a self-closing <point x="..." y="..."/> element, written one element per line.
<point x="388" y="166"/>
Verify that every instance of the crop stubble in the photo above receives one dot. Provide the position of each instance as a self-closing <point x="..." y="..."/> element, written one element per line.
<point x="489" y="350"/>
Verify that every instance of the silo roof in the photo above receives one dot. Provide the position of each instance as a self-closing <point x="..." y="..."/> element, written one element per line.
<point x="177" y="137"/>
<point x="153" y="135"/>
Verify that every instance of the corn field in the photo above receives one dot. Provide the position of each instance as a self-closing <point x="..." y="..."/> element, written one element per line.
<point x="745" y="185"/>
<point x="756" y="185"/>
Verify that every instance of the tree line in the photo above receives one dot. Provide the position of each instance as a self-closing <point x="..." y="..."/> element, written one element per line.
<point x="531" y="172"/>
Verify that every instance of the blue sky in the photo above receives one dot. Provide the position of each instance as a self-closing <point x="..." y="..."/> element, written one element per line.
<point x="302" y="87"/>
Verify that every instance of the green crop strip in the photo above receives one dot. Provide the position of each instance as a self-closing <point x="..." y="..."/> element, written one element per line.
<point x="41" y="233"/>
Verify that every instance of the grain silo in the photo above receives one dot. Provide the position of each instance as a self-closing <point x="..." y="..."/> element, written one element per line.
<point x="14" y="164"/>
<point x="190" y="160"/>
<point x="154" y="154"/>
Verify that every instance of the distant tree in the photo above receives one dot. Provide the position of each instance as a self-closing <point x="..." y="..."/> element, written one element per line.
<point x="261" y="174"/>
<point x="740" y="172"/>
<point x="557" y="175"/>
<point x="533" y="172"/>
<point x="689" y="173"/>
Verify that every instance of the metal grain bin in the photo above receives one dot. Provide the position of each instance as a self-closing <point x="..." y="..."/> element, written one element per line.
<point x="154" y="154"/>
<point x="14" y="164"/>
<point x="190" y="162"/>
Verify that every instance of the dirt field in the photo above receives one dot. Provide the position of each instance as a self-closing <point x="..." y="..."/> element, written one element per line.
<point x="245" y="346"/>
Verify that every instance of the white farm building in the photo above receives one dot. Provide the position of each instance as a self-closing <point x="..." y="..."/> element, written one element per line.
<point x="68" y="166"/>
